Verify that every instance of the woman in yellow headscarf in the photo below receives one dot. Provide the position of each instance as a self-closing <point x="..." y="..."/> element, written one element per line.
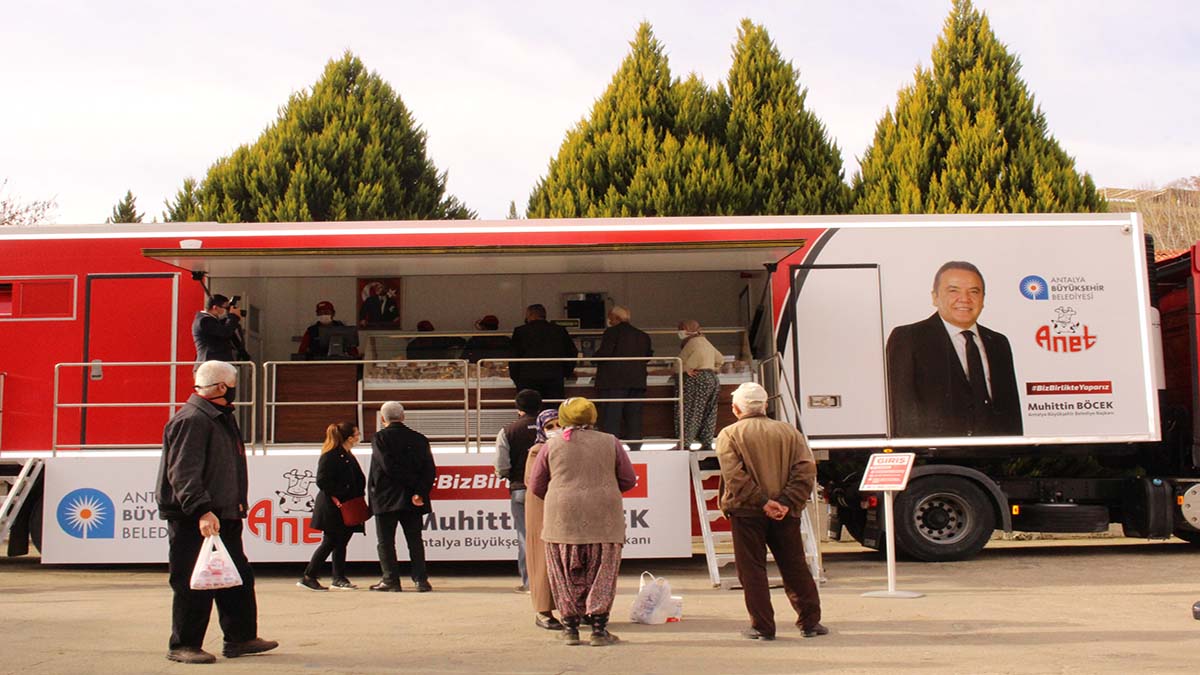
<point x="581" y="474"/>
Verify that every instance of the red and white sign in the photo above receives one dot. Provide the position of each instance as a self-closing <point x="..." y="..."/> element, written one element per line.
<point x="102" y="510"/>
<point x="887" y="471"/>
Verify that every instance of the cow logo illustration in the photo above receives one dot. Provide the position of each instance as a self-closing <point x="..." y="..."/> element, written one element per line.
<point x="87" y="513"/>
<point x="296" y="497"/>
<point x="1065" y="324"/>
<point x="1034" y="287"/>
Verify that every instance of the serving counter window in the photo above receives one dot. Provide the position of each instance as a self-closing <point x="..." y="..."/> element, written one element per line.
<point x="456" y="386"/>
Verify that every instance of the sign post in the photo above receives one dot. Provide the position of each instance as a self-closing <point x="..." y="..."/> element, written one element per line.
<point x="888" y="472"/>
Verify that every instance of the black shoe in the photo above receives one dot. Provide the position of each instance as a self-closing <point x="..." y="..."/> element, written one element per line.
<point x="586" y="619"/>
<point x="342" y="584"/>
<point x="190" y="655"/>
<point x="424" y="587"/>
<point x="570" y="632"/>
<point x="815" y="630"/>
<point x="548" y="622"/>
<point x="600" y="635"/>
<point x="753" y="634"/>
<point x="232" y="650"/>
<point x="387" y="586"/>
<point x="311" y="584"/>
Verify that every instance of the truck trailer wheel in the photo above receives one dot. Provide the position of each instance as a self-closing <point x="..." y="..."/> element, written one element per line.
<point x="941" y="518"/>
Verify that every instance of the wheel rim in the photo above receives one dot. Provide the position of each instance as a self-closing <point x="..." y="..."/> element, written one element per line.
<point x="942" y="517"/>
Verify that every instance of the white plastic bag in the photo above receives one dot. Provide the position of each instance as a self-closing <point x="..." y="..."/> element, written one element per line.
<point x="653" y="601"/>
<point x="214" y="568"/>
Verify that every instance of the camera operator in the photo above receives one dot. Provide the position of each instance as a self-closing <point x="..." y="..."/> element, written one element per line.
<point x="216" y="331"/>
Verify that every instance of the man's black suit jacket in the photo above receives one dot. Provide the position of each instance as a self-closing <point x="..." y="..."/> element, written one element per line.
<point x="930" y="394"/>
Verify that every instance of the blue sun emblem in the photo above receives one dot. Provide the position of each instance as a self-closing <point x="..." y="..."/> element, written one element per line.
<point x="87" y="513"/>
<point x="1035" y="288"/>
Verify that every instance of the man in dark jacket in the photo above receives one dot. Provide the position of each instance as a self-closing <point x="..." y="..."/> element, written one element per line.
<point x="540" y="339"/>
<point x="512" y="450"/>
<point x="202" y="491"/>
<point x="402" y="475"/>
<point x="622" y="379"/>
<point x="215" y="331"/>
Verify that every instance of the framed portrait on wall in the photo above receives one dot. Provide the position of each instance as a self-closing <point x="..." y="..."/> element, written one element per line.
<point x="378" y="302"/>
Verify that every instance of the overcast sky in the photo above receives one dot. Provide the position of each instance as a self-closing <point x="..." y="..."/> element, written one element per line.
<point x="100" y="98"/>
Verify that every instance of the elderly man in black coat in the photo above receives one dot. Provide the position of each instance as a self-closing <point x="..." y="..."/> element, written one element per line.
<point x="202" y="491"/>
<point x="622" y="379"/>
<point x="401" y="478"/>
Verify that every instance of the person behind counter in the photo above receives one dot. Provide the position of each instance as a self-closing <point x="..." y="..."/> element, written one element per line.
<point x="311" y="344"/>
<point x="487" y="346"/>
<point x="581" y="475"/>
<point x="433" y="346"/>
<point x="701" y="385"/>
<point x="339" y="479"/>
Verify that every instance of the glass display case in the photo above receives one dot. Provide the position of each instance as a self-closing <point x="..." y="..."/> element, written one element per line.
<point x="427" y="359"/>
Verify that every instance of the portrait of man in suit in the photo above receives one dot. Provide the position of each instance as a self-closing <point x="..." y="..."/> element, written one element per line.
<point x="948" y="375"/>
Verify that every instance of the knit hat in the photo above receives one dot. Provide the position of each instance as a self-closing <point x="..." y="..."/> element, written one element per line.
<point x="577" y="412"/>
<point x="325" y="307"/>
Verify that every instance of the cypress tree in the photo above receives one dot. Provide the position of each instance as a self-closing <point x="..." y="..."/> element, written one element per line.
<point x="781" y="152"/>
<point x="632" y="156"/>
<point x="125" y="210"/>
<point x="349" y="149"/>
<point x="967" y="137"/>
<point x="186" y="206"/>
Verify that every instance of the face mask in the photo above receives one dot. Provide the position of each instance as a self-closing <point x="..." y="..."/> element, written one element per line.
<point x="683" y="335"/>
<point x="230" y="394"/>
<point x="324" y="319"/>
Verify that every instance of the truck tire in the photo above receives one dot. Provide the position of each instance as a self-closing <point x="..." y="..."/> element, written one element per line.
<point x="1190" y="536"/>
<point x="943" y="518"/>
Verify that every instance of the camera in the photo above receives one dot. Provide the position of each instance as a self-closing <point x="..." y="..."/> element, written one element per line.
<point x="235" y="300"/>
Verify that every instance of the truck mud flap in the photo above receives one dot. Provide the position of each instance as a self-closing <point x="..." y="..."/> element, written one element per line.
<point x="1061" y="518"/>
<point x="1148" y="509"/>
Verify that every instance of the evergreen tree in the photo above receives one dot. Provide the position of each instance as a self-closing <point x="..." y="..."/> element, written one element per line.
<point x="657" y="146"/>
<point x="512" y="211"/>
<point x="781" y="152"/>
<point x="349" y="149"/>
<point x="628" y="158"/>
<point x="186" y="207"/>
<point x="966" y="137"/>
<point x="126" y="210"/>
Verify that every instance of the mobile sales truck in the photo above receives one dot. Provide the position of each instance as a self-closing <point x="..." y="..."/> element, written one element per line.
<point x="1065" y="409"/>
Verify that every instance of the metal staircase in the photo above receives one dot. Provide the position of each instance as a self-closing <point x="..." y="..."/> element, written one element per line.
<point x="710" y="514"/>
<point x="16" y="495"/>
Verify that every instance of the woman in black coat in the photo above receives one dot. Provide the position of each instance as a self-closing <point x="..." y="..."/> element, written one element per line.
<point x="339" y="478"/>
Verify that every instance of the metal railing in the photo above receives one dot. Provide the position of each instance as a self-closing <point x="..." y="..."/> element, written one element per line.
<point x="270" y="404"/>
<point x="171" y="404"/>
<point x="677" y="399"/>
<point x="783" y="391"/>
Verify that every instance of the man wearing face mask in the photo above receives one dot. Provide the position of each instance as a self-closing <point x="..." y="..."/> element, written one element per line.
<point x="202" y="491"/>
<point x="215" y="330"/>
<point x="311" y="344"/>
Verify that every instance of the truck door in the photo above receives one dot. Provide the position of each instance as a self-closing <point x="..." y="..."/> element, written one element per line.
<point x="129" y="317"/>
<point x="837" y="358"/>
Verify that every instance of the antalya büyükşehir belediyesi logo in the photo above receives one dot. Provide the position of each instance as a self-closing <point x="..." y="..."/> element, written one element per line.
<point x="87" y="513"/>
<point x="1034" y="287"/>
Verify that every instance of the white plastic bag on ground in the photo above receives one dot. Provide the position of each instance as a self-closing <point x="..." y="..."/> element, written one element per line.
<point x="214" y="568"/>
<point x="653" y="601"/>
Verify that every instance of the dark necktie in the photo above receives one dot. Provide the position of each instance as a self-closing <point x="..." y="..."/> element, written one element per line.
<point x="979" y="390"/>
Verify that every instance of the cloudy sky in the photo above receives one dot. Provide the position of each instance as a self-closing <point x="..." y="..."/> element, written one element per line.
<point x="100" y="98"/>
